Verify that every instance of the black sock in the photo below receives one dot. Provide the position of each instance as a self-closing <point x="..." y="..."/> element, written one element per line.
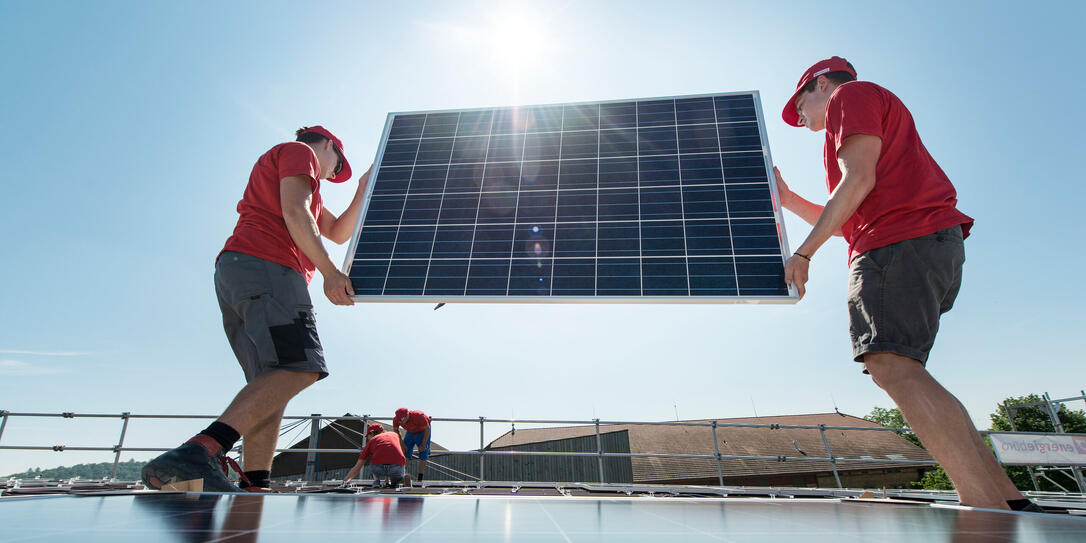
<point x="419" y="478"/>
<point x="259" y="478"/>
<point x="223" y="434"/>
<point x="1024" y="505"/>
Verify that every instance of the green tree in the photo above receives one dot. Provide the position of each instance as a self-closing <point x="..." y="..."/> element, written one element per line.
<point x="1034" y="418"/>
<point x="126" y="471"/>
<point x="892" y="418"/>
<point x="934" y="479"/>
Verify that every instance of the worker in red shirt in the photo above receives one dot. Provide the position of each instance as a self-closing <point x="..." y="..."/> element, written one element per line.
<point x="384" y="456"/>
<point x="261" y="279"/>
<point x="416" y="427"/>
<point x="898" y="212"/>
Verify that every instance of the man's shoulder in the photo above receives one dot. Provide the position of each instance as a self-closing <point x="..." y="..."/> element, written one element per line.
<point x="858" y="89"/>
<point x="291" y="148"/>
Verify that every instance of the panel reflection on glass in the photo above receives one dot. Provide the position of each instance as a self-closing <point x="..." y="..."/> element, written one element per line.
<point x="196" y="517"/>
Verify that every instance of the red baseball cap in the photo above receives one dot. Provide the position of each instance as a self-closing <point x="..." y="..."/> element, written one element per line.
<point x="343" y="174"/>
<point x="401" y="413"/>
<point x="375" y="427"/>
<point x="822" y="67"/>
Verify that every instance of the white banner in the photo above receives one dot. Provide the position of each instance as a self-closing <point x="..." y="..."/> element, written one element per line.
<point x="1042" y="449"/>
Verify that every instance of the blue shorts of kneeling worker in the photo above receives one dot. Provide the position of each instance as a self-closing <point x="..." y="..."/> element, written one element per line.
<point x="413" y="439"/>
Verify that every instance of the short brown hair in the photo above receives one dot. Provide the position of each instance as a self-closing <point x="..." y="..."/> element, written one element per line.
<point x="308" y="137"/>
<point x="836" y="78"/>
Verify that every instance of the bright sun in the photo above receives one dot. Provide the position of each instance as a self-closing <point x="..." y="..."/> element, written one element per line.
<point x="518" y="41"/>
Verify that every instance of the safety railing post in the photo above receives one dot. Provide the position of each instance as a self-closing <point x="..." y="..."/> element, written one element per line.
<point x="1010" y="418"/>
<point x="599" y="449"/>
<point x="3" y="422"/>
<point x="1054" y="414"/>
<point x="719" y="466"/>
<point x="365" y="433"/>
<point x="120" y="444"/>
<point x="311" y="456"/>
<point x="482" y="450"/>
<point x="829" y="453"/>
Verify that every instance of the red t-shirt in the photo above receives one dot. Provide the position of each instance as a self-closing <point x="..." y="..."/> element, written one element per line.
<point x="417" y="421"/>
<point x="912" y="196"/>
<point x="261" y="230"/>
<point x="384" y="448"/>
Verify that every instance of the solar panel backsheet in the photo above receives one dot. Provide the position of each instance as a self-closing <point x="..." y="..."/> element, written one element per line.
<point x="642" y="200"/>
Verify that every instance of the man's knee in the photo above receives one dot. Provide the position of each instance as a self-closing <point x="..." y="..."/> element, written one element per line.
<point x="893" y="371"/>
<point x="297" y="380"/>
<point x="307" y="377"/>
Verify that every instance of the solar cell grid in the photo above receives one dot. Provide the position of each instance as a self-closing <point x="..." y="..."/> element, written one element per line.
<point x="633" y="199"/>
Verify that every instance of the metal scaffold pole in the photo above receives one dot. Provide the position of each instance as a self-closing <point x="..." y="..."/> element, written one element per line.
<point x="1029" y="469"/>
<point x="482" y="450"/>
<point x="365" y="432"/>
<point x="1052" y="408"/>
<point x="599" y="449"/>
<point x="3" y="422"/>
<point x="314" y="439"/>
<point x="719" y="466"/>
<point x="829" y="454"/>
<point x="120" y="444"/>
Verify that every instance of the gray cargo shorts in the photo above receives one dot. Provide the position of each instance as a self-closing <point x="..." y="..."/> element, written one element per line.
<point x="267" y="315"/>
<point x="897" y="293"/>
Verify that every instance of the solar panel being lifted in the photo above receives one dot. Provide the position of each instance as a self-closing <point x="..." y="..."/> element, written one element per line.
<point x="654" y="200"/>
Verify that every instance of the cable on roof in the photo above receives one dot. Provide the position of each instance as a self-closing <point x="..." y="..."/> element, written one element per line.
<point x="348" y="428"/>
<point x="332" y="426"/>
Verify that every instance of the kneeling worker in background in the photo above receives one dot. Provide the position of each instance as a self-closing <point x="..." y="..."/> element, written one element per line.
<point x="382" y="452"/>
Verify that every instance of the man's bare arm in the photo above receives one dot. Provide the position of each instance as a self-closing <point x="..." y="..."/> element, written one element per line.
<point x="857" y="158"/>
<point x="354" y="470"/>
<point x="296" y="195"/>
<point x="804" y="209"/>
<point x="339" y="229"/>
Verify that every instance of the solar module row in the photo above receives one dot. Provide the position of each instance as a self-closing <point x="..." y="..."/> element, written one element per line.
<point x="623" y="142"/>
<point x="573" y="117"/>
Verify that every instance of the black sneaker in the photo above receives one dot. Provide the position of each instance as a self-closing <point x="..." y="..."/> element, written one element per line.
<point x="1026" y="506"/>
<point x="188" y="467"/>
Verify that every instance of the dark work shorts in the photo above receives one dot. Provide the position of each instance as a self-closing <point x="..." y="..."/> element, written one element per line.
<point x="897" y="293"/>
<point x="267" y="315"/>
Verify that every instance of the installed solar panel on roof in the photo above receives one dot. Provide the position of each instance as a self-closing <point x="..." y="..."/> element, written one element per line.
<point x="645" y="200"/>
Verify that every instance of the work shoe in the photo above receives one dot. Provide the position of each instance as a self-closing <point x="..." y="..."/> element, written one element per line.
<point x="1028" y="507"/>
<point x="189" y="467"/>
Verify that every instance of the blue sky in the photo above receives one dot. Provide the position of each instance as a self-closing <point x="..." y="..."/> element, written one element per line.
<point x="130" y="129"/>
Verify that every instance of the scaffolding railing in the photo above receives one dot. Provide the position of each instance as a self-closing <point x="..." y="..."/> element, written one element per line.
<point x="483" y="452"/>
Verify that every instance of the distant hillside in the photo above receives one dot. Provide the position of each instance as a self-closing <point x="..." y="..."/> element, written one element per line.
<point x="129" y="471"/>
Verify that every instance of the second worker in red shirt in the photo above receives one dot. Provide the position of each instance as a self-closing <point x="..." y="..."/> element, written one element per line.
<point x="898" y="212"/>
